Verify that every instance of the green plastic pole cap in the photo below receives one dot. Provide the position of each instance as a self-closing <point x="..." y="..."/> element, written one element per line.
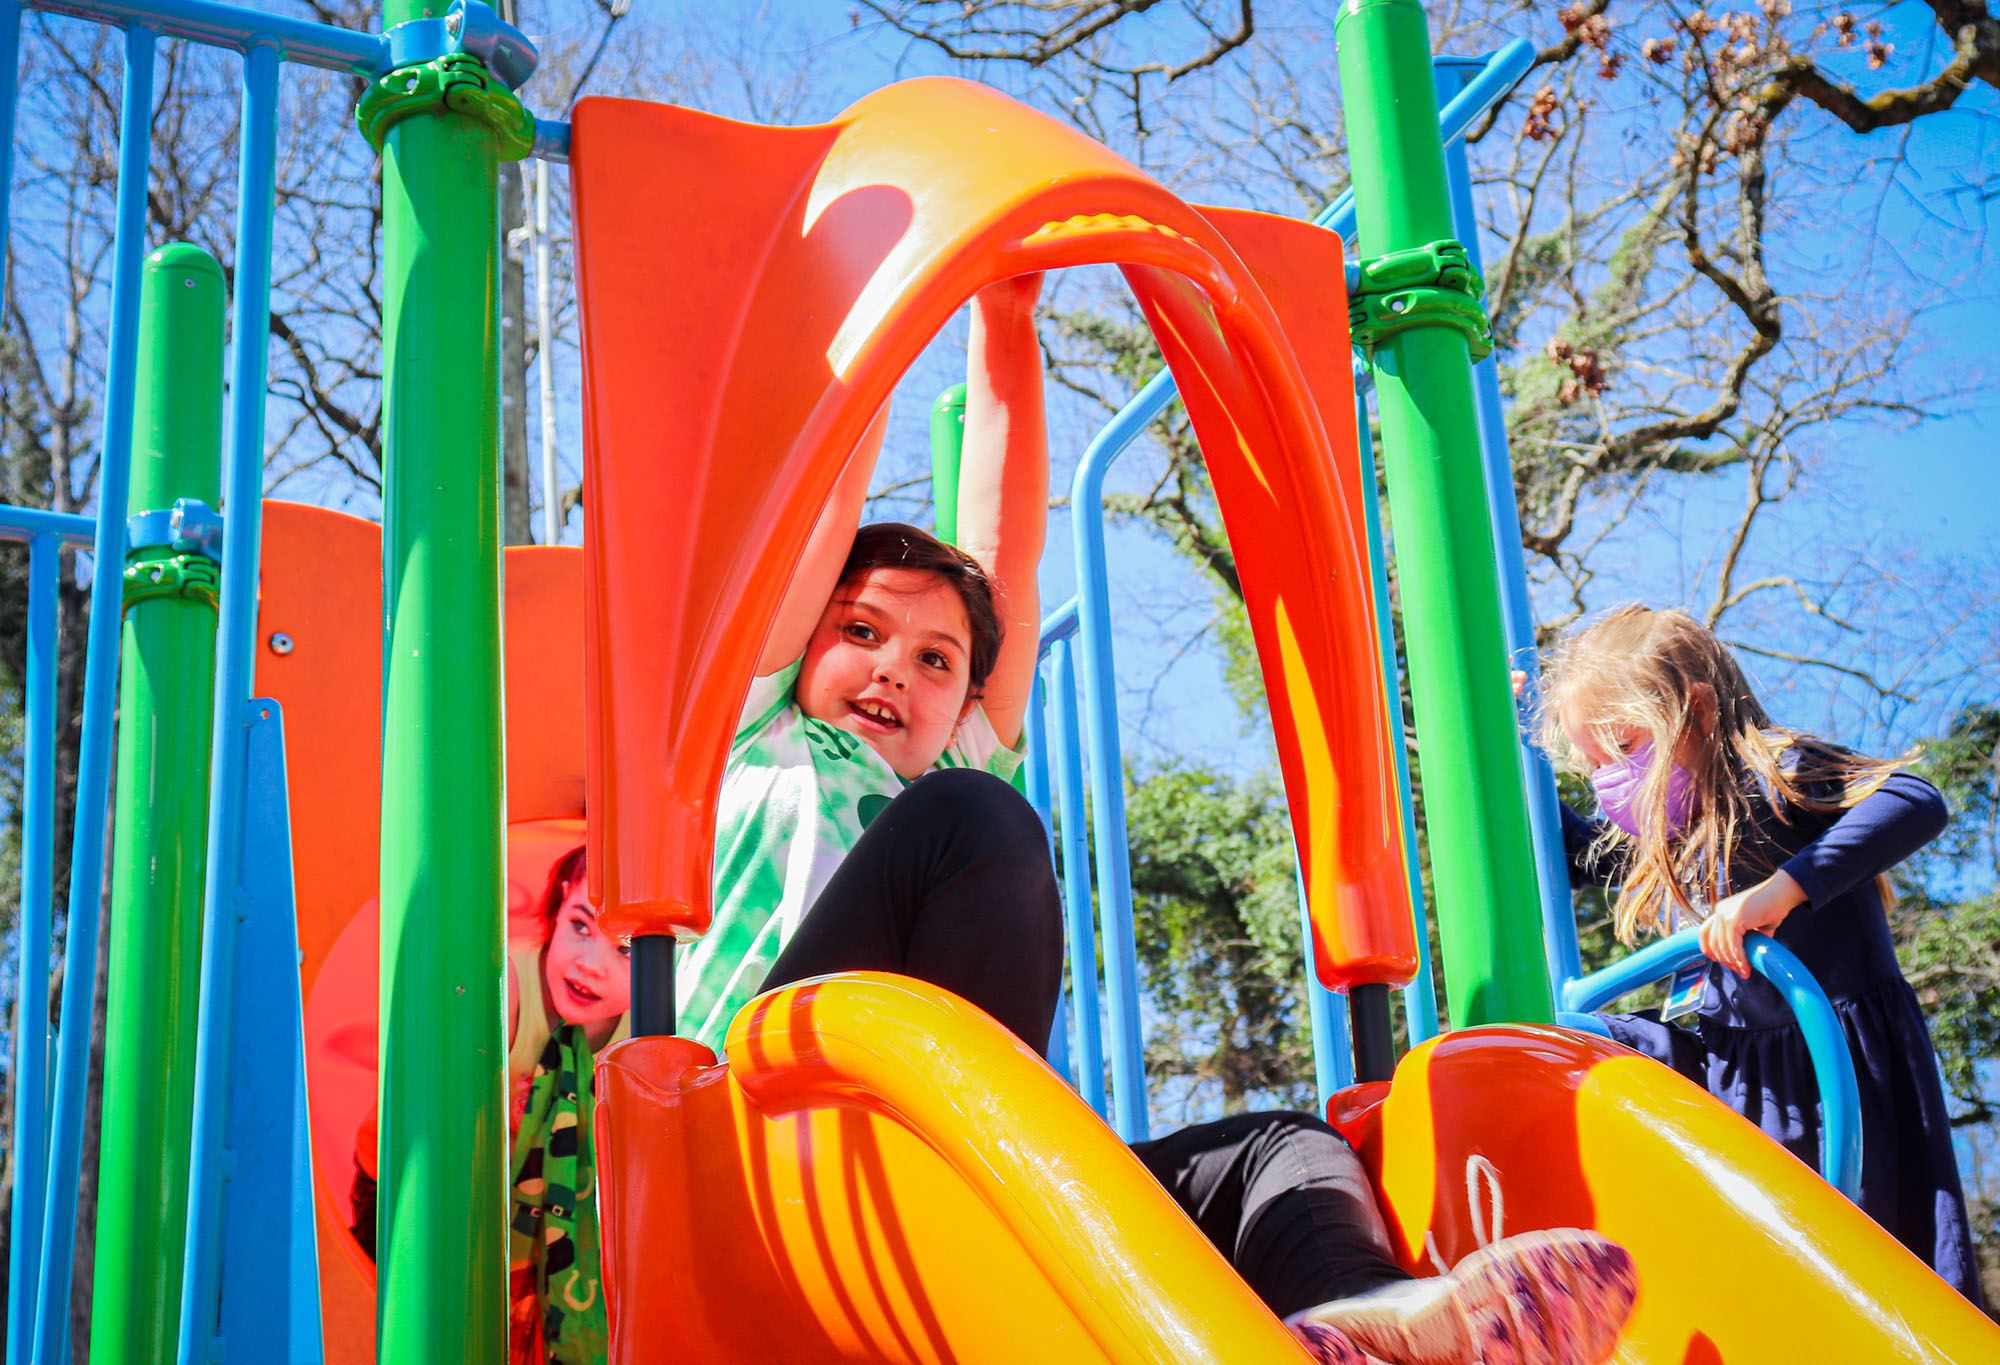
<point x="185" y="258"/>
<point x="1352" y="7"/>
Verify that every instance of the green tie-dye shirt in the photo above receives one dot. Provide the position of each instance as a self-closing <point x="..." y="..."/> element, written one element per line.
<point x="795" y="797"/>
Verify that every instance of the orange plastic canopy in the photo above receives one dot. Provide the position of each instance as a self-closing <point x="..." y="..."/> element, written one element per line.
<point x="749" y="297"/>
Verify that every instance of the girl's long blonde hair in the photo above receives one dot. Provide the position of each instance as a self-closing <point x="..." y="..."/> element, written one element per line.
<point x="1664" y="673"/>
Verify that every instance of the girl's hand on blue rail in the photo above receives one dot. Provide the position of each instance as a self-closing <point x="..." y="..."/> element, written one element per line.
<point x="1760" y="909"/>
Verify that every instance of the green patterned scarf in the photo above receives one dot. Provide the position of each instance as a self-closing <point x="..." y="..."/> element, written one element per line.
<point x="557" y="1292"/>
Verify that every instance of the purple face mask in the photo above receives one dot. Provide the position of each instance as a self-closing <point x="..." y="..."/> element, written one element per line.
<point x="1617" y="786"/>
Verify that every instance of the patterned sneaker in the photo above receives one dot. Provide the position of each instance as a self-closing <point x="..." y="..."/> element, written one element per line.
<point x="1327" y="1345"/>
<point x="1542" y="1298"/>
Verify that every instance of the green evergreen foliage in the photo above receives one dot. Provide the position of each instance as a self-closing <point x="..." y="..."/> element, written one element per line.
<point x="1216" y="900"/>
<point x="1947" y="917"/>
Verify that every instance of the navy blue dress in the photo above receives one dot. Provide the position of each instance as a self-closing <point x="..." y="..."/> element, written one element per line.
<point x="1746" y="1050"/>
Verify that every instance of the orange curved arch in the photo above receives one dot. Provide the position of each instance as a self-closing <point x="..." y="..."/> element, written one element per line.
<point x="750" y="295"/>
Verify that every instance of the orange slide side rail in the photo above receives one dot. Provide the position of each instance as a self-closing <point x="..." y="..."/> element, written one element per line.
<point x="883" y="1173"/>
<point x="1745" y="1254"/>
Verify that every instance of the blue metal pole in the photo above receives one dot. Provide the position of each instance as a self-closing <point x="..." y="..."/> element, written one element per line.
<point x="1035" y="757"/>
<point x="10" y="91"/>
<point x="1516" y="612"/>
<point x="1420" y="1014"/>
<point x="1107" y="766"/>
<point x="235" y="648"/>
<point x="100" y="694"/>
<point x="1333" y="1050"/>
<point x="1066" y="753"/>
<point x="31" y="996"/>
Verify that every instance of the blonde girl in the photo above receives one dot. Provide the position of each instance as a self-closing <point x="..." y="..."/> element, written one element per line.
<point x="1712" y="813"/>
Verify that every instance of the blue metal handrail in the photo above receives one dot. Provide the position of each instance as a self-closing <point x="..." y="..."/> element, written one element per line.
<point x="1080" y="931"/>
<point x="32" y="1039"/>
<point x="1826" y="1041"/>
<point x="1036" y="786"/>
<point x="100" y="689"/>
<point x="45" y="533"/>
<point x="235" y="668"/>
<point x="1498" y="75"/>
<point x="30" y="524"/>
<point x="237" y="29"/>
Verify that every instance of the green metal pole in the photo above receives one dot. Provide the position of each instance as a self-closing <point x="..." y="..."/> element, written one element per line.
<point x="1478" y="822"/>
<point x="443" y="127"/>
<point x="162" y="819"/>
<point x="947" y="445"/>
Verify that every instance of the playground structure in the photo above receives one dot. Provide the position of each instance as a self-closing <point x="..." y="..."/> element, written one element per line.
<point x="880" y="1173"/>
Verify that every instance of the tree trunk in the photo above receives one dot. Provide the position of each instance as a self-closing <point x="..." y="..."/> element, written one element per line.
<point x="85" y="1263"/>
<point x="514" y="511"/>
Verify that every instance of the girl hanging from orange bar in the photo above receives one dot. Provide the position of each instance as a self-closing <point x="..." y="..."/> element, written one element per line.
<point x="865" y="824"/>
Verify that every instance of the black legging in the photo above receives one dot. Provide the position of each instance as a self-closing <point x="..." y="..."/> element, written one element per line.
<point x="951" y="884"/>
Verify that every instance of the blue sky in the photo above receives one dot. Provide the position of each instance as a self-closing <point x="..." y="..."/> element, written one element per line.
<point x="1921" y="493"/>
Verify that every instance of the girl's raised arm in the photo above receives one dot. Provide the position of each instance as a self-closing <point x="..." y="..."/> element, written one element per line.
<point x="1003" y="484"/>
<point x="819" y="568"/>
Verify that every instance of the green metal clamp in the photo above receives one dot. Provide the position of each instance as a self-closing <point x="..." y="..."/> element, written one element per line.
<point x="1433" y="285"/>
<point x="175" y="552"/>
<point x="458" y="83"/>
<point x="172" y="575"/>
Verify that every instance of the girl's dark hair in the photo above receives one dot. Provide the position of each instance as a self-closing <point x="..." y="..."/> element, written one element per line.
<point x="897" y="545"/>
<point x="564" y="878"/>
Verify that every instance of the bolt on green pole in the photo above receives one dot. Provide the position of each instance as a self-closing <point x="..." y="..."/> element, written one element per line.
<point x="947" y="446"/>
<point x="1420" y="313"/>
<point x="443" y="126"/>
<point x="166" y="696"/>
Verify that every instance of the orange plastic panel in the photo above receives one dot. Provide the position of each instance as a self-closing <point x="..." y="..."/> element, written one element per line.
<point x="750" y="295"/>
<point x="885" y="1174"/>
<point x="320" y="586"/>
<point x="1359" y="936"/>
<point x="1745" y="1255"/>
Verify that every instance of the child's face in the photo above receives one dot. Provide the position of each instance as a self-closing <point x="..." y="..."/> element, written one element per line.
<point x="588" y="973"/>
<point x="1601" y="745"/>
<point x="888" y="662"/>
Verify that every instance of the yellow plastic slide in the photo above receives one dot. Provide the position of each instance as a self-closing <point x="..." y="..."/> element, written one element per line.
<point x="883" y="1174"/>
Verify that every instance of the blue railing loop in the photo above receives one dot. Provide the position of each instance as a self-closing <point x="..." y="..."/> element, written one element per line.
<point x="1826" y="1040"/>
